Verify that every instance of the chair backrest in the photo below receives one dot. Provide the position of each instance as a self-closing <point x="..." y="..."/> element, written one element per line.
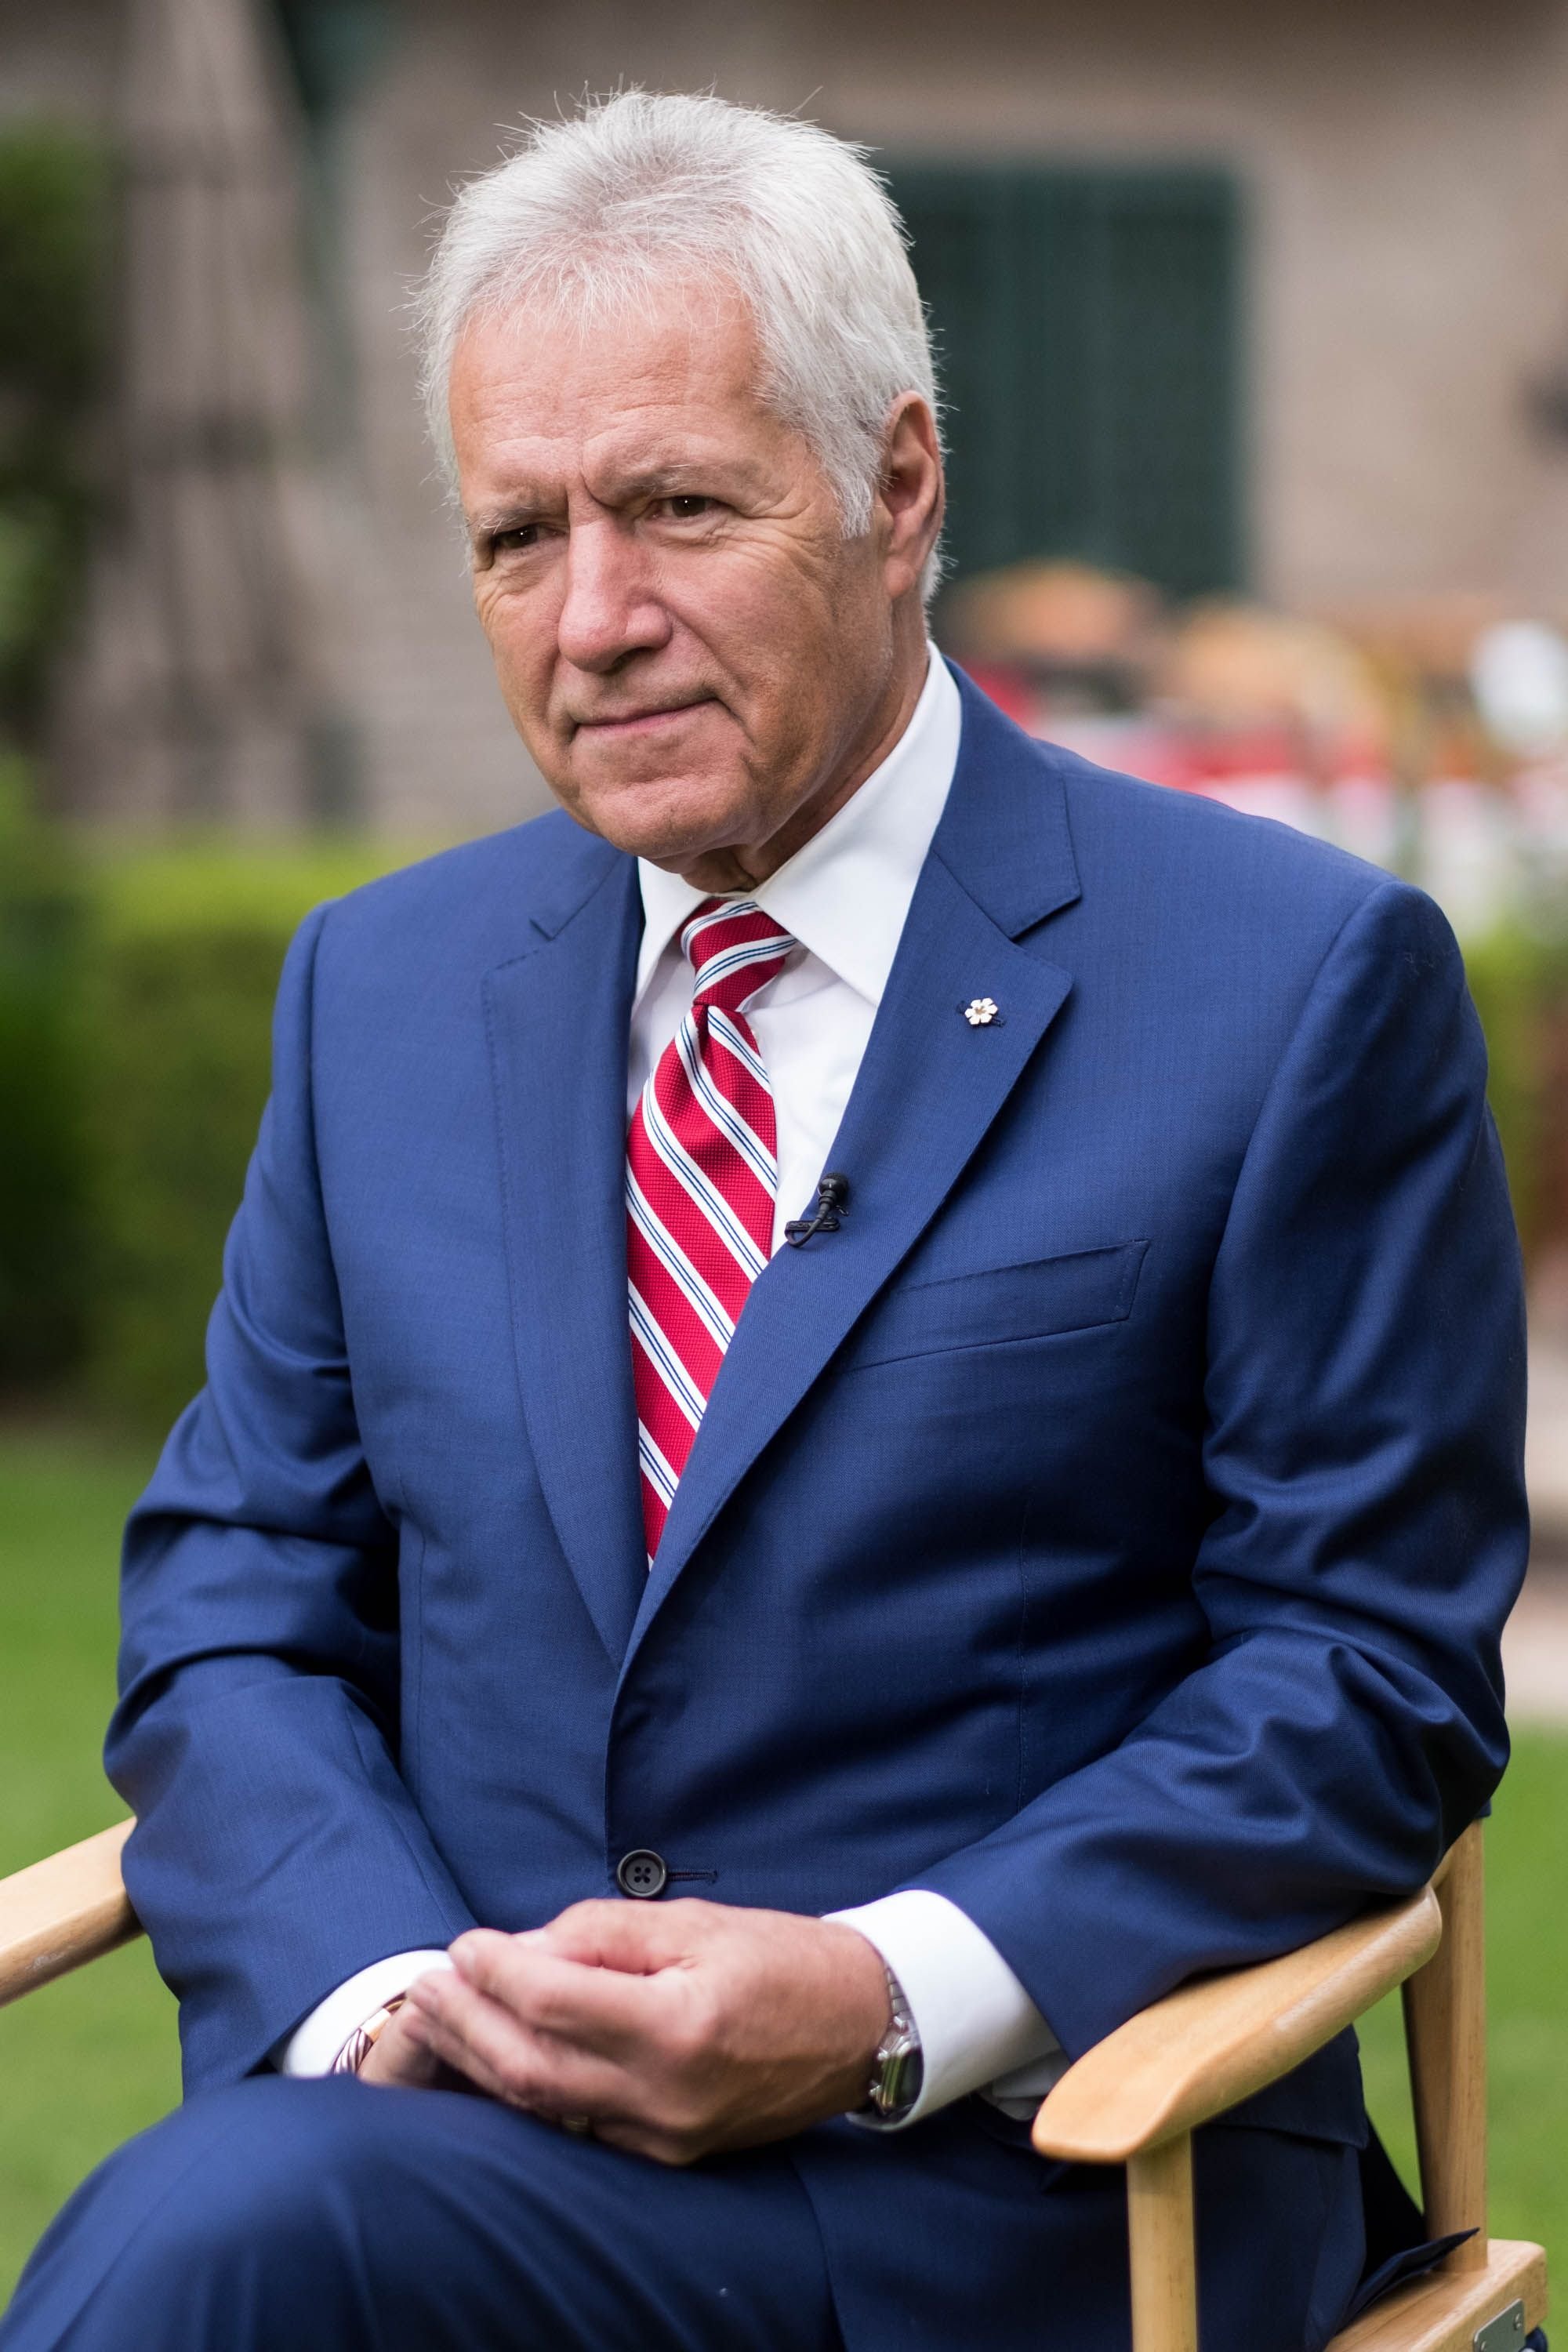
<point x="1446" y="2042"/>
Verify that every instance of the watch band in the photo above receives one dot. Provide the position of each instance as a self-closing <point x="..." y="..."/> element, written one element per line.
<point x="899" y="2068"/>
<point x="363" y="2037"/>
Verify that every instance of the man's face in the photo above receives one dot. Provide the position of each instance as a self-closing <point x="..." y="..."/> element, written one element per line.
<point x="697" y="659"/>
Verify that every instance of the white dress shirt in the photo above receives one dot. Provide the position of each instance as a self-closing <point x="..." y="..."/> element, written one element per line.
<point x="843" y="899"/>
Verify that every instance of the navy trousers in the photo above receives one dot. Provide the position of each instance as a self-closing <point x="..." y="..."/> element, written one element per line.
<point x="334" y="2217"/>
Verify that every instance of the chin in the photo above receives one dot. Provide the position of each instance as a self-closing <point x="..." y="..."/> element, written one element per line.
<point x="669" y="820"/>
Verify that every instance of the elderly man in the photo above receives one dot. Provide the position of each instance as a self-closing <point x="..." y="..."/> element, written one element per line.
<point x="866" y="1406"/>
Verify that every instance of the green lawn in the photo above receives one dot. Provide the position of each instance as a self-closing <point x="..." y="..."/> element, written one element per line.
<point x="89" y="2060"/>
<point x="92" y="2059"/>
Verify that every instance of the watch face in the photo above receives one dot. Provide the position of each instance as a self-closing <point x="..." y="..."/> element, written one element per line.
<point x="900" y="2063"/>
<point x="900" y="2077"/>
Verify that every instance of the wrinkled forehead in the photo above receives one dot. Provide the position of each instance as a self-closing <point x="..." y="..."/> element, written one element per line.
<point x="612" y="394"/>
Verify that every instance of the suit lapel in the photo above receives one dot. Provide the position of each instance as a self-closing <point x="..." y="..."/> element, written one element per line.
<point x="557" y="1020"/>
<point x="928" y="1090"/>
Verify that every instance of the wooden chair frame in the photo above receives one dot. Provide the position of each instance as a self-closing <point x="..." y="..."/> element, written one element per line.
<point x="1138" y="2096"/>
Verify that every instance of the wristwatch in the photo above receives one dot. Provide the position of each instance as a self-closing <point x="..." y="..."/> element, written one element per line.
<point x="899" y="2068"/>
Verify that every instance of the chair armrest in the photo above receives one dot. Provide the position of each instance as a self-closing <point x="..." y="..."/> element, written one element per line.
<point x="58" y="1914"/>
<point x="1216" y="2041"/>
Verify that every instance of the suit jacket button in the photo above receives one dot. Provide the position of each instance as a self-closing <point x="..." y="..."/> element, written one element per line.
<point x="641" y="1875"/>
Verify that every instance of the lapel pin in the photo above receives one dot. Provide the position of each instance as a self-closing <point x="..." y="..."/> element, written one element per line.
<point x="980" y="1012"/>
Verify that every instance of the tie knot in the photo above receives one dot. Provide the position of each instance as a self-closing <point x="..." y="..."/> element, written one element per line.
<point x="734" y="950"/>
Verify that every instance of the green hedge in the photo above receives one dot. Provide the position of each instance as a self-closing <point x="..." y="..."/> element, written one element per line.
<point x="180" y="973"/>
<point x="1519" y="981"/>
<point x="43" y="1191"/>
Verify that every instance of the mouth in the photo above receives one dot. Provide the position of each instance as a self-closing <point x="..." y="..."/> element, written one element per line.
<point x="622" y="725"/>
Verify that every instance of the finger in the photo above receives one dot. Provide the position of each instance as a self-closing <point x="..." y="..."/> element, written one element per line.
<point x="637" y="1938"/>
<point x="471" y="1937"/>
<point x="527" y="2087"/>
<point x="402" y="2056"/>
<point x="475" y="1946"/>
<point x="555" y="2015"/>
<point x="596" y="2007"/>
<point x="450" y="2052"/>
<point x="486" y="2042"/>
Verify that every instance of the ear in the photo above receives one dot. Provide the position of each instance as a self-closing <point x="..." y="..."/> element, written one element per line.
<point x="911" y="493"/>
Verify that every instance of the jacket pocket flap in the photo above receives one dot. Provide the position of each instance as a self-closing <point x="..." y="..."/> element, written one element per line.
<point x="1031" y="1301"/>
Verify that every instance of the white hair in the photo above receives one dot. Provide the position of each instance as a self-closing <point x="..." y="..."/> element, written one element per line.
<point x="591" y="212"/>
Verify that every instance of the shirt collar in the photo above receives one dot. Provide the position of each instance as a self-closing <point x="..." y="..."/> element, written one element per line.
<point x="845" y="894"/>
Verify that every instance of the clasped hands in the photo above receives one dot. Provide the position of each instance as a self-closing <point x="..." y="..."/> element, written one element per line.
<point x="671" y="2030"/>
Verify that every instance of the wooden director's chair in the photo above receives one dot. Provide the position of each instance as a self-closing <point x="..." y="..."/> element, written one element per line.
<point x="1137" y="2097"/>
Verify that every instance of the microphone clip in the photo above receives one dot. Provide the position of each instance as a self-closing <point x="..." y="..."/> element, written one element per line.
<point x="832" y="1207"/>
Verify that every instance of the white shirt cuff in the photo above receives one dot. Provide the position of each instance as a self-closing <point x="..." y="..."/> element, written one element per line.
<point x="314" y="2043"/>
<point x="978" y="2028"/>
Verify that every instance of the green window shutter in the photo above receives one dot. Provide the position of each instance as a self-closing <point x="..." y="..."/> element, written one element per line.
<point x="1088" y="347"/>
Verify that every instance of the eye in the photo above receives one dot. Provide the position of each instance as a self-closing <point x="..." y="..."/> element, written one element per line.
<point x="512" y="542"/>
<point x="686" y="506"/>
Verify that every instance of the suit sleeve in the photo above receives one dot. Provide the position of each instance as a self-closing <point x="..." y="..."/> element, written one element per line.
<point x="1364" y="1442"/>
<point x="277" y="1849"/>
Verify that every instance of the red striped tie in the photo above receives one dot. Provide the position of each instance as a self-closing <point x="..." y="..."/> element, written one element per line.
<point x="701" y="1181"/>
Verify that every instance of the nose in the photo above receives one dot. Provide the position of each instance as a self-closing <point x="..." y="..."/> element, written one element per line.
<point x="609" y="609"/>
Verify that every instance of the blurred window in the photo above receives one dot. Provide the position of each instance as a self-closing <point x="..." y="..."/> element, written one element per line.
<point x="1088" y="325"/>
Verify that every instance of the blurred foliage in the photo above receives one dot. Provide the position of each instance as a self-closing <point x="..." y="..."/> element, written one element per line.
<point x="136" y="988"/>
<point x="1519" y="978"/>
<point x="180" y="973"/>
<point x="43" y="1167"/>
<point x="54" y="238"/>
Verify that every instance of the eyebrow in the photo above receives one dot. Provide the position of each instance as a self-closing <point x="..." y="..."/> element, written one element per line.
<point x="676" y="473"/>
<point x="491" y="522"/>
<point x="669" y="478"/>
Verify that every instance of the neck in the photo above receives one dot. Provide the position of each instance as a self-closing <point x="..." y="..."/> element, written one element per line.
<point x="744" y="867"/>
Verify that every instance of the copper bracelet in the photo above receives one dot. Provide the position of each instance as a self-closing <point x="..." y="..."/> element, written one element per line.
<point x="363" y="2037"/>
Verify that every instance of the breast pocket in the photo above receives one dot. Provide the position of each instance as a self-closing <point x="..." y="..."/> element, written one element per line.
<point x="1031" y="1301"/>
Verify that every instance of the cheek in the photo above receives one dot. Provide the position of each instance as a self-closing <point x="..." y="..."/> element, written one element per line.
<point x="520" y="642"/>
<point x="773" y="634"/>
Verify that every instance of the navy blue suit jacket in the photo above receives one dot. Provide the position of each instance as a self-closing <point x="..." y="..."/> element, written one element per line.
<point x="1110" y="1527"/>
